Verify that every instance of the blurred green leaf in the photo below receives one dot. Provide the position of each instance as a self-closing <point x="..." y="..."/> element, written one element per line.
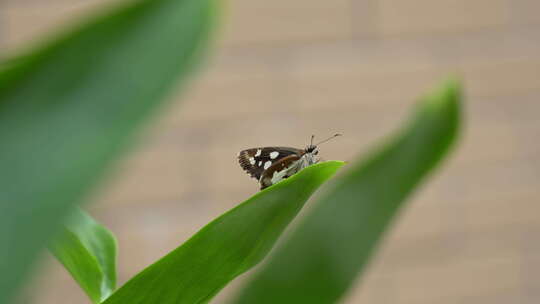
<point x="88" y="251"/>
<point x="69" y="108"/>
<point x="226" y="247"/>
<point x="334" y="242"/>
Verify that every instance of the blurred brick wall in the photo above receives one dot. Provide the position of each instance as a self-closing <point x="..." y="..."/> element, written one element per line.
<point x="284" y="70"/>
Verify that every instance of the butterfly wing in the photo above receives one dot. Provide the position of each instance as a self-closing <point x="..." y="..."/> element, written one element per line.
<point x="282" y="168"/>
<point x="255" y="161"/>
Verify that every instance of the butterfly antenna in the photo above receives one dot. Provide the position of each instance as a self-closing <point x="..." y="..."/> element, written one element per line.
<point x="311" y="142"/>
<point x="329" y="138"/>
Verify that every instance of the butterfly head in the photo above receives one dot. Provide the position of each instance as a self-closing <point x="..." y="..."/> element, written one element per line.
<point x="313" y="148"/>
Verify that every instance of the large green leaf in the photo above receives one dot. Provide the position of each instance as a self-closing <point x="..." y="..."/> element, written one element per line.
<point x="226" y="247"/>
<point x="333" y="243"/>
<point x="70" y="107"/>
<point x="88" y="251"/>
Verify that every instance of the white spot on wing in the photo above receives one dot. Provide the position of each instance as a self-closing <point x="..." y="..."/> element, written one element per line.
<point x="274" y="154"/>
<point x="267" y="165"/>
<point x="260" y="163"/>
<point x="258" y="152"/>
<point x="252" y="160"/>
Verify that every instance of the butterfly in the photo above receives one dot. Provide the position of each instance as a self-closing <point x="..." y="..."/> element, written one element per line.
<point x="270" y="165"/>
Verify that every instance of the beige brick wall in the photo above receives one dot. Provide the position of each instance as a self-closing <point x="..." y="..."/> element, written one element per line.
<point x="286" y="69"/>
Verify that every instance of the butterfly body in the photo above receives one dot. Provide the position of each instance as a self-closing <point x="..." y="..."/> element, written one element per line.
<point x="270" y="165"/>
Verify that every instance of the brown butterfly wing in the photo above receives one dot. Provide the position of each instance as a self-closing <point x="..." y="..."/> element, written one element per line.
<point x="281" y="164"/>
<point x="248" y="162"/>
<point x="254" y="161"/>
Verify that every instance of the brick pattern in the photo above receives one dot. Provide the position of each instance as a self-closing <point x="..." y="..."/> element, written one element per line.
<point x="286" y="69"/>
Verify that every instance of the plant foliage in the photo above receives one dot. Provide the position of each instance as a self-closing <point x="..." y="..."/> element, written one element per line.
<point x="88" y="251"/>
<point x="71" y="106"/>
<point x="336" y="239"/>
<point x="227" y="246"/>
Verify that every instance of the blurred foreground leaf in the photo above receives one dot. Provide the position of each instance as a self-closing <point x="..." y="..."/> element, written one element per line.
<point x="88" y="251"/>
<point x="71" y="107"/>
<point x="334" y="242"/>
<point x="226" y="247"/>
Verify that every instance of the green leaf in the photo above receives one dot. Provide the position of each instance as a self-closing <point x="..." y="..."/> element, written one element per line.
<point x="88" y="251"/>
<point x="334" y="242"/>
<point x="226" y="247"/>
<point x="69" y="108"/>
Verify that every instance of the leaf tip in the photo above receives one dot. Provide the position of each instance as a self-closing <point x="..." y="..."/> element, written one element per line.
<point x="445" y="102"/>
<point x="447" y="95"/>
